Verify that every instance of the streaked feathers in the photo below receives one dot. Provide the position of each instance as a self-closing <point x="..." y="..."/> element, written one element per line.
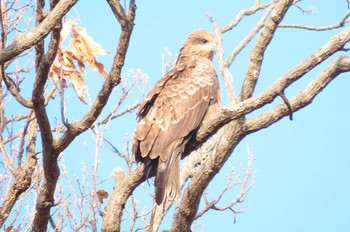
<point x="174" y="109"/>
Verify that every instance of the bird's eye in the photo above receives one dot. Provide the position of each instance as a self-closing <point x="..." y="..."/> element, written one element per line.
<point x="204" y="41"/>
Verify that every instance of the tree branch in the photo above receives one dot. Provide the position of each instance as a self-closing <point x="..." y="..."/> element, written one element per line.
<point x="225" y="142"/>
<point x="341" y="23"/>
<point x="249" y="37"/>
<point x="45" y="198"/>
<point x="303" y="98"/>
<point x="112" y="80"/>
<point x="125" y="185"/>
<point x="245" y="12"/>
<point x="233" y="112"/>
<point x="14" y="91"/>
<point x="231" y="134"/>
<point x="256" y="56"/>
<point x="24" y="41"/>
<point x="223" y="68"/>
<point x="23" y="176"/>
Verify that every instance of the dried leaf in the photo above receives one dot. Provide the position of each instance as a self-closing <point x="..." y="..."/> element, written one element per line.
<point x="78" y="84"/>
<point x="96" y="48"/>
<point x="66" y="29"/>
<point x="73" y="47"/>
<point x="101" y="194"/>
<point x="81" y="50"/>
<point x="81" y="67"/>
<point x="85" y="50"/>
<point x="8" y="229"/>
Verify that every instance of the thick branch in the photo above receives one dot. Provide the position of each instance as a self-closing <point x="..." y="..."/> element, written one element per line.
<point x="231" y="134"/>
<point x="118" y="11"/>
<point x="233" y="112"/>
<point x="257" y="54"/>
<point x="235" y="131"/>
<point x="303" y="98"/>
<point x="23" y="176"/>
<point x="116" y="203"/>
<point x="228" y="137"/>
<point x="24" y="41"/>
<point x="123" y="187"/>
<point x="51" y="171"/>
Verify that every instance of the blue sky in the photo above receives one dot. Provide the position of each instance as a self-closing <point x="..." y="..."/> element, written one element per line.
<point x="303" y="165"/>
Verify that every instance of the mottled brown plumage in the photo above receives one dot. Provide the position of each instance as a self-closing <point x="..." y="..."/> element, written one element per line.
<point x="174" y="109"/>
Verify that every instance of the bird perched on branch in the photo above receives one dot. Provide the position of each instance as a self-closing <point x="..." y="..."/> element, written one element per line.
<point x="174" y="109"/>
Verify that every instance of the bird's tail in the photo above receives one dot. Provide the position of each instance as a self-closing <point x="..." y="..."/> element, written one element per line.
<point x="168" y="179"/>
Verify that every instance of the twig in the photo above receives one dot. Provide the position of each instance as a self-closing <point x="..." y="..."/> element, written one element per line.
<point x="257" y="6"/>
<point x="303" y="10"/>
<point x="223" y="67"/>
<point x="24" y="133"/>
<point x="249" y="37"/>
<point x="285" y="99"/>
<point x="14" y="90"/>
<point x="342" y="23"/>
<point x="239" y="198"/>
<point x="7" y="160"/>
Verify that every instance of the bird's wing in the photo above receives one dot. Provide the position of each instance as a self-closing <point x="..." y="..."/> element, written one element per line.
<point x="174" y="108"/>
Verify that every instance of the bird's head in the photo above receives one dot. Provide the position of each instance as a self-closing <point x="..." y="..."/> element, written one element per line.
<point x="200" y="43"/>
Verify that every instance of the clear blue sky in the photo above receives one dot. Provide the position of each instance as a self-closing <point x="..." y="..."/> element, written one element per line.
<point x="303" y="165"/>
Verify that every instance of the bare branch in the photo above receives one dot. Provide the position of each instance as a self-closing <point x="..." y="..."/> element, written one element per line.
<point x="249" y="37"/>
<point x="345" y="20"/>
<point x="14" y="90"/>
<point x="309" y="10"/>
<point x="233" y="112"/>
<point x="257" y="6"/>
<point x="116" y="203"/>
<point x="223" y="68"/>
<point x="6" y="157"/>
<point x="51" y="170"/>
<point x="23" y="176"/>
<point x="24" y="41"/>
<point x="235" y="131"/>
<point x="260" y="47"/>
<point x="112" y="80"/>
<point x="118" y="11"/>
<point x="121" y="14"/>
<point x="304" y="97"/>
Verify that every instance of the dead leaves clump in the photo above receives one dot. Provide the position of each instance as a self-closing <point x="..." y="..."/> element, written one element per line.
<point x="81" y="51"/>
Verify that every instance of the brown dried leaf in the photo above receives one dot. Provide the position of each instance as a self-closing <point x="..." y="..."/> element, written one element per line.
<point x="101" y="194"/>
<point x="78" y="84"/>
<point x="86" y="49"/>
<point x="8" y="229"/>
<point x="66" y="29"/>
<point x="96" y="49"/>
<point x="81" y="49"/>
<point x="82" y="46"/>
<point x="81" y="67"/>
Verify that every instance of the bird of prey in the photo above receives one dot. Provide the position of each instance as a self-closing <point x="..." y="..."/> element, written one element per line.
<point x="174" y="109"/>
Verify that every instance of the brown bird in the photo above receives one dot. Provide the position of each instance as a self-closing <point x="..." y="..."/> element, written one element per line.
<point x="174" y="109"/>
